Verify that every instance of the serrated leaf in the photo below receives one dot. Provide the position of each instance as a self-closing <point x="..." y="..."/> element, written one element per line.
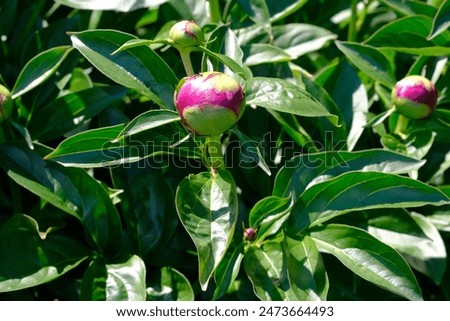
<point x="207" y="207"/>
<point x="39" y="69"/>
<point x="369" y="258"/>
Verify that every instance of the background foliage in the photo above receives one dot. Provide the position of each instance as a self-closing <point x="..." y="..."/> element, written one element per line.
<point x="104" y="196"/>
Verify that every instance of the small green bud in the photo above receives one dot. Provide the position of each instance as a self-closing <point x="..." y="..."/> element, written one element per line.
<point x="6" y="104"/>
<point x="186" y="34"/>
<point x="414" y="97"/>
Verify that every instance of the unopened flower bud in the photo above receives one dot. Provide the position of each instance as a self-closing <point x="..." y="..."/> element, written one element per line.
<point x="209" y="103"/>
<point x="6" y="104"/>
<point x="186" y="34"/>
<point x="249" y="234"/>
<point x="414" y="97"/>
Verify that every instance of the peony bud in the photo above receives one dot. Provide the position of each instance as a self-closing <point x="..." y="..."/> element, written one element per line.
<point x="186" y="34"/>
<point x="414" y="97"/>
<point x="249" y="234"/>
<point x="6" y="104"/>
<point x="209" y="103"/>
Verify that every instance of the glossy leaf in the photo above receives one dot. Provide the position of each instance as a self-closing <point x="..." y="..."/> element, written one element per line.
<point x="100" y="147"/>
<point x="139" y="68"/>
<point x="369" y="60"/>
<point x="413" y="41"/>
<point x="441" y="21"/>
<point x="66" y="113"/>
<point x="369" y="258"/>
<point x="281" y="95"/>
<point x="93" y="283"/>
<point x="116" y="5"/>
<point x="149" y="120"/>
<point x="251" y="154"/>
<point x="268" y="215"/>
<point x="259" y="53"/>
<point x="258" y="11"/>
<point x="266" y="267"/>
<point x="298" y="39"/>
<point x="426" y="253"/>
<point x="302" y="172"/>
<point x="228" y="270"/>
<point x="70" y="189"/>
<point x="126" y="280"/>
<point x="306" y="271"/>
<point x="207" y="207"/>
<point x="29" y="258"/>
<point x="169" y="284"/>
<point x="39" y="69"/>
<point x="147" y="207"/>
<point x="355" y="191"/>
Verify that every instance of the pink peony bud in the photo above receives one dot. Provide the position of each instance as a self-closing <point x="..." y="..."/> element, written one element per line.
<point x="209" y="103"/>
<point x="6" y="104"/>
<point x="249" y="234"/>
<point x="414" y="97"/>
<point x="186" y="34"/>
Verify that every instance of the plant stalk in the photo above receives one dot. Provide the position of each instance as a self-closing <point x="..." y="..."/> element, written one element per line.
<point x="187" y="63"/>
<point x="214" y="156"/>
<point x="214" y="11"/>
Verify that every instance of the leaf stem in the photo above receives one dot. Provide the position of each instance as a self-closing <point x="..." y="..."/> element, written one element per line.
<point x="352" y="28"/>
<point x="214" y="156"/>
<point x="401" y="126"/>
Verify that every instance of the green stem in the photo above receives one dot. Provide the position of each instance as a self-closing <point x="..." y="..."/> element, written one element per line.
<point x="352" y="28"/>
<point x="214" y="11"/>
<point x="401" y="126"/>
<point x="186" y="59"/>
<point x="214" y="156"/>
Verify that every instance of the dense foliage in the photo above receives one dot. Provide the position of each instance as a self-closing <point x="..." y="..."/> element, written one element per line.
<point x="322" y="190"/>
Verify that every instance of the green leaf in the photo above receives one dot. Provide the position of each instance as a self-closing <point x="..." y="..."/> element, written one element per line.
<point x="306" y="271"/>
<point x="39" y="69"/>
<point x="70" y="189"/>
<point x="207" y="206"/>
<point x="305" y="171"/>
<point x="369" y="258"/>
<point x="355" y="191"/>
<point x="260" y="53"/>
<point x="281" y="9"/>
<point x="139" y="68"/>
<point x="426" y="252"/>
<point x="93" y="283"/>
<point x="66" y="112"/>
<point x="250" y="152"/>
<point x="258" y="11"/>
<point x="126" y="280"/>
<point x="169" y="284"/>
<point x="269" y="214"/>
<point x="138" y="43"/>
<point x="298" y="39"/>
<point x="266" y="267"/>
<point x="148" y="120"/>
<point x="441" y="21"/>
<point x="369" y="60"/>
<point x="281" y="95"/>
<point x="414" y="31"/>
<point x="230" y="63"/>
<point x="228" y="270"/>
<point x="116" y="5"/>
<point x="100" y="147"/>
<point x="148" y="208"/>
<point x="29" y="257"/>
